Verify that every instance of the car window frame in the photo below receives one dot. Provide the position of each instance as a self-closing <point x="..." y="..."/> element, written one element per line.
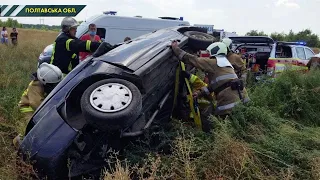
<point x="305" y="51"/>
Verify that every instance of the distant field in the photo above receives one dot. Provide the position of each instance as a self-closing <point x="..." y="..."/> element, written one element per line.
<point x="276" y="136"/>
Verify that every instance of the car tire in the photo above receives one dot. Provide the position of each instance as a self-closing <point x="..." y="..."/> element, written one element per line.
<point x="111" y="104"/>
<point x="199" y="40"/>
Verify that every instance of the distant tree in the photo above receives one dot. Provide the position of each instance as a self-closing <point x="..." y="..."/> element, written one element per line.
<point x="278" y="36"/>
<point x="255" y="33"/>
<point x="306" y="35"/>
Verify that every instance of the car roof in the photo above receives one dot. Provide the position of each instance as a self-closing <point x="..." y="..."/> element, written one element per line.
<point x="252" y="39"/>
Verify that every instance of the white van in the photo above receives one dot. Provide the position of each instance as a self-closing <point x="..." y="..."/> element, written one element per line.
<point x="114" y="29"/>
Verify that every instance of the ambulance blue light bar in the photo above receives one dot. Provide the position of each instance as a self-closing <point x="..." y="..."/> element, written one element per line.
<point x="293" y="43"/>
<point x="301" y="43"/>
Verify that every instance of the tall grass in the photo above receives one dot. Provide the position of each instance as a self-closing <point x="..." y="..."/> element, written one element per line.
<point x="17" y="64"/>
<point x="275" y="136"/>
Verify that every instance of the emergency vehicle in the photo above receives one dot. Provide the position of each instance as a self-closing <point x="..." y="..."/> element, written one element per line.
<point x="263" y="55"/>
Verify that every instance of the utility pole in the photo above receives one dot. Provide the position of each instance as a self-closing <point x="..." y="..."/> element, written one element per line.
<point x="42" y="20"/>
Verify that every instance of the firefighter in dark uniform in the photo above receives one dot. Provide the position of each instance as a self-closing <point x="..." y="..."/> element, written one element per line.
<point x="66" y="49"/>
<point x="236" y="61"/>
<point x="223" y="81"/>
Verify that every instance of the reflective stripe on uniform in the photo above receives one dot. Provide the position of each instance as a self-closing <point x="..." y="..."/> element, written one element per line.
<point x="203" y="101"/>
<point x="53" y="51"/>
<point x="231" y="105"/>
<point x="88" y="44"/>
<point x="74" y="56"/>
<point x="194" y="110"/>
<point x="70" y="67"/>
<point x="25" y="92"/>
<point x="68" y="44"/>
<point x="26" y="109"/>
<point x="193" y="78"/>
<point x="224" y="77"/>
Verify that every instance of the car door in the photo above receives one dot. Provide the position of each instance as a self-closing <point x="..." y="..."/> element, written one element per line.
<point x="302" y="57"/>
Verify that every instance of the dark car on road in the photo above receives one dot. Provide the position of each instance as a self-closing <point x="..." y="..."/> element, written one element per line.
<point x="104" y="100"/>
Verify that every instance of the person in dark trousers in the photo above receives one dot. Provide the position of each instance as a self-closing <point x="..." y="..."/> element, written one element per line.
<point x="14" y="36"/>
<point x="66" y="49"/>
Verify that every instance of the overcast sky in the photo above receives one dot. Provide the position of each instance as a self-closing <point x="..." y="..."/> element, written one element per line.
<point x="232" y="15"/>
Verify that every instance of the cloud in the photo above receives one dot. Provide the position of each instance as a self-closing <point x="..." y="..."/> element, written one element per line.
<point x="288" y="4"/>
<point x="191" y="10"/>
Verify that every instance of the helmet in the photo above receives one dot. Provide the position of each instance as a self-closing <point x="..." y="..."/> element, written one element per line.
<point x="217" y="48"/>
<point x="227" y="42"/>
<point x="68" y="22"/>
<point x="49" y="74"/>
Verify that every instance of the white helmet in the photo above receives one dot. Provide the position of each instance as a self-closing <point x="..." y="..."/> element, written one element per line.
<point x="227" y="42"/>
<point x="48" y="73"/>
<point x="67" y="23"/>
<point x="217" y="48"/>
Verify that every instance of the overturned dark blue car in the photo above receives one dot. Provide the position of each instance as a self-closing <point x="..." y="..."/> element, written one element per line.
<point x="105" y="99"/>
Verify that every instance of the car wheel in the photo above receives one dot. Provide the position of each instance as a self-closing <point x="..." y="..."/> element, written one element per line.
<point x="199" y="40"/>
<point x="111" y="104"/>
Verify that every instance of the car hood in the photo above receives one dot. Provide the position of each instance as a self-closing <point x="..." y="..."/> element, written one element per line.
<point x="132" y="54"/>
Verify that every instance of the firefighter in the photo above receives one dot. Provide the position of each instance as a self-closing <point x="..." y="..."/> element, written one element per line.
<point x="66" y="49"/>
<point x="44" y="80"/>
<point x="223" y="81"/>
<point x="236" y="61"/>
<point x="206" y="106"/>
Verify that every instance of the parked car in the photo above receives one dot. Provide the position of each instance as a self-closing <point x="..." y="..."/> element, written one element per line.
<point x="263" y="55"/>
<point x="104" y="100"/>
<point x="115" y="28"/>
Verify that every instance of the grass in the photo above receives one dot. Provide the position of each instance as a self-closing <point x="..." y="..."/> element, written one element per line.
<point x="275" y="136"/>
<point x="17" y="64"/>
